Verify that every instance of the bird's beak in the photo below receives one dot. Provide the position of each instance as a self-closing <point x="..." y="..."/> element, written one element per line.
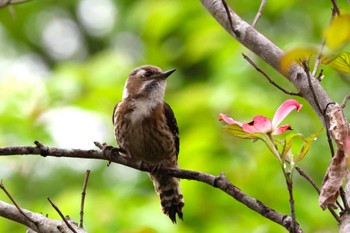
<point x="167" y="73"/>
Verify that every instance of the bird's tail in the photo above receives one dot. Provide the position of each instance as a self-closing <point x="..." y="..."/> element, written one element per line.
<point x="171" y="198"/>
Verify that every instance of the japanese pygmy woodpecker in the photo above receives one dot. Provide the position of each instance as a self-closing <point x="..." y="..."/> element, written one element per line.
<point x="146" y="130"/>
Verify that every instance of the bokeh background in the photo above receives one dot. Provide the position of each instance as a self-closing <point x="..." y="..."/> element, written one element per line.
<point x="63" y="65"/>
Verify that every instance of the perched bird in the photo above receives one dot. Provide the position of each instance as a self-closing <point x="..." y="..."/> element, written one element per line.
<point x="146" y="130"/>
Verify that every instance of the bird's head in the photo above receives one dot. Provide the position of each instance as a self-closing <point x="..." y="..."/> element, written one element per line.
<point x="146" y="82"/>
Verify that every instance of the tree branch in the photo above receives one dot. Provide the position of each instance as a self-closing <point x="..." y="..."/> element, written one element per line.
<point x="4" y="3"/>
<point x="62" y="216"/>
<point x="267" y="77"/>
<point x="42" y="223"/>
<point x="14" y="202"/>
<point x="268" y="51"/>
<point x="111" y="154"/>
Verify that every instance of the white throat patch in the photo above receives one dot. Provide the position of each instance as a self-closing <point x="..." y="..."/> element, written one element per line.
<point x="142" y="109"/>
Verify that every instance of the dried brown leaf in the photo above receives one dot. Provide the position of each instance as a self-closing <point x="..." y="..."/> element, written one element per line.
<point x="338" y="168"/>
<point x="338" y="125"/>
<point x="332" y="181"/>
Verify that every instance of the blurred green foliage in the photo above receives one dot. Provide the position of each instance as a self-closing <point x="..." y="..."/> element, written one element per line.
<point x="63" y="65"/>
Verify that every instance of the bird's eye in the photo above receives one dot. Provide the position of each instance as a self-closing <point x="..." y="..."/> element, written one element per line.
<point x="147" y="74"/>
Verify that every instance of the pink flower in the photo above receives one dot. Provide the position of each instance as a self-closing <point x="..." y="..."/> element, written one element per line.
<point x="261" y="124"/>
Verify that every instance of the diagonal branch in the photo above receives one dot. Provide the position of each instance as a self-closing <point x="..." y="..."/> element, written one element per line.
<point x="42" y="223"/>
<point x="266" y="50"/>
<point x="258" y="15"/>
<point x="62" y="216"/>
<point x="109" y="153"/>
<point x="15" y="203"/>
<point x="267" y="77"/>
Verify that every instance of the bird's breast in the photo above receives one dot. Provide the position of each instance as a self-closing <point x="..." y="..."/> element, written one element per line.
<point x="148" y="137"/>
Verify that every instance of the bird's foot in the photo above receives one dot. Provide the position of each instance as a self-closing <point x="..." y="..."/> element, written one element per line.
<point x="109" y="151"/>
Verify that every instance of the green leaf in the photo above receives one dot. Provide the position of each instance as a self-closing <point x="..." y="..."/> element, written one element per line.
<point x="237" y="131"/>
<point x="338" y="33"/>
<point x="306" y="146"/>
<point x="288" y="142"/>
<point x="340" y="62"/>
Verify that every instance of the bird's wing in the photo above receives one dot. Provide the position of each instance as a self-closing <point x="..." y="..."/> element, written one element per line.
<point x="172" y="124"/>
<point x="115" y="108"/>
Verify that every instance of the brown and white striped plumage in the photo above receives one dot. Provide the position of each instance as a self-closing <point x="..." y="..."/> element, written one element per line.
<point x="146" y="129"/>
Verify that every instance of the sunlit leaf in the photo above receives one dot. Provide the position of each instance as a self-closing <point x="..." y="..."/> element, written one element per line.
<point x="306" y="146"/>
<point x="338" y="32"/>
<point x="237" y="131"/>
<point x="296" y="55"/>
<point x="288" y="143"/>
<point x="340" y="62"/>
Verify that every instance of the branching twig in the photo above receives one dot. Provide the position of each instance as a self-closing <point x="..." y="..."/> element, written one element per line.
<point x="335" y="7"/>
<point x="258" y="14"/>
<point x="109" y="153"/>
<point x="267" y="77"/>
<point x="62" y="216"/>
<point x="15" y="203"/>
<point x="83" y="193"/>
<point x="345" y="100"/>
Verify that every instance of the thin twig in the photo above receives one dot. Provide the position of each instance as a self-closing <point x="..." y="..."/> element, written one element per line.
<point x="62" y="216"/>
<point x="307" y="72"/>
<point x="345" y="100"/>
<point x="267" y="77"/>
<point x="289" y="182"/>
<point x="320" y="76"/>
<point x="83" y="193"/>
<point x="228" y="16"/>
<point x="329" y="139"/>
<point x="344" y="199"/>
<point x="320" y="51"/>
<point x="15" y="203"/>
<point x="318" y="57"/>
<point x="258" y="14"/>
<point x="335" y="7"/>
<point x="308" y="178"/>
<point x="313" y="183"/>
